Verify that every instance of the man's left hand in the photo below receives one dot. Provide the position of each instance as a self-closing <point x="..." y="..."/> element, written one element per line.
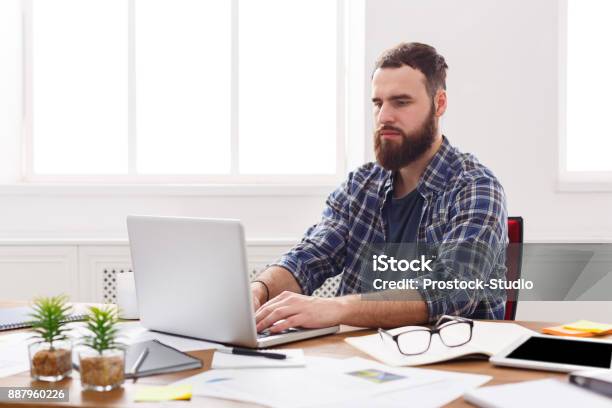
<point x="297" y="310"/>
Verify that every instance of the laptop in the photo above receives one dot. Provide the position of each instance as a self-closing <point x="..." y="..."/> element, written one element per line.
<point x="192" y="280"/>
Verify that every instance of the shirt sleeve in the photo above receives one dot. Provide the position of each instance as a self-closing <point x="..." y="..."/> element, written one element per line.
<point x="321" y="252"/>
<point x="472" y="249"/>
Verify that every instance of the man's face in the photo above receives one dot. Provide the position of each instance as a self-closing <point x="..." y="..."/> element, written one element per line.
<point x="404" y="116"/>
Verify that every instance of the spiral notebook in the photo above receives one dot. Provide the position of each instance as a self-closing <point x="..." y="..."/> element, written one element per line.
<point x="19" y="317"/>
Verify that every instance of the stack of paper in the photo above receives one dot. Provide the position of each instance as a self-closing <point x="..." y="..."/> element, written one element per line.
<point x="337" y="382"/>
<point x="540" y="393"/>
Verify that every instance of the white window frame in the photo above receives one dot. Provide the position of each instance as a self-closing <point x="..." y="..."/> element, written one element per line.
<point x="572" y="181"/>
<point x="215" y="184"/>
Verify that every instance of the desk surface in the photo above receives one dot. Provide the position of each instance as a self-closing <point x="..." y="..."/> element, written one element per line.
<point x="329" y="346"/>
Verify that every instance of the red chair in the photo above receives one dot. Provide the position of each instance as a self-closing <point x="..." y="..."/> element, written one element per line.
<point x="514" y="260"/>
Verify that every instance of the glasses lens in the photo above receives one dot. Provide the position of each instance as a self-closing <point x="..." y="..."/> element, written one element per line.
<point x="414" y="342"/>
<point x="455" y="334"/>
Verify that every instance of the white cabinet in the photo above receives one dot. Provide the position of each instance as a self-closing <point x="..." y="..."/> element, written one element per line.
<point x="30" y="271"/>
<point x="85" y="271"/>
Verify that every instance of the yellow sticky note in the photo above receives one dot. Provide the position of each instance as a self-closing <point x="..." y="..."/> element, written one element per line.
<point x="591" y="327"/>
<point x="163" y="393"/>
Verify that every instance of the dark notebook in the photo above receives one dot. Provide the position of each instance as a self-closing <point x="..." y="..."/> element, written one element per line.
<point x="19" y="317"/>
<point x="161" y="359"/>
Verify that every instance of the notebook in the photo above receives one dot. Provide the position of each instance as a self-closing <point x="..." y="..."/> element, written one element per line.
<point x="160" y="360"/>
<point x="19" y="317"/>
<point x="488" y="338"/>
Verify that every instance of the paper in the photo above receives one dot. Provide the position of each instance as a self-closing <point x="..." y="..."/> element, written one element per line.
<point x="590" y="327"/>
<point x="540" y="393"/>
<point x="333" y="380"/>
<point x="488" y="338"/>
<point x="134" y="332"/>
<point x="433" y="395"/>
<point x="295" y="358"/>
<point x="163" y="393"/>
<point x="14" y="353"/>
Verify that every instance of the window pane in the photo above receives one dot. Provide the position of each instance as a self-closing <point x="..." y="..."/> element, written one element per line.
<point x="183" y="74"/>
<point x="80" y="86"/>
<point x="287" y="85"/>
<point x="589" y="140"/>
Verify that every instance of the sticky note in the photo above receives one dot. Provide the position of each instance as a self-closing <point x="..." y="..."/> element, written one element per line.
<point x="562" y="331"/>
<point x="163" y="393"/>
<point x="588" y="326"/>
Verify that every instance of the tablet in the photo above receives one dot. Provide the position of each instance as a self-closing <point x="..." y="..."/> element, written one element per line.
<point x="541" y="352"/>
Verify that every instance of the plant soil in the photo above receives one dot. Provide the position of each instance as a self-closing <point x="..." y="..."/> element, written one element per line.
<point x="100" y="370"/>
<point x="50" y="363"/>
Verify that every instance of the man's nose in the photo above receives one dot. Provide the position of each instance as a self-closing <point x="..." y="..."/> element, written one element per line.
<point x="386" y="115"/>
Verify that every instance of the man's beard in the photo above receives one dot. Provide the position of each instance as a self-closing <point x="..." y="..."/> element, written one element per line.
<point x="393" y="156"/>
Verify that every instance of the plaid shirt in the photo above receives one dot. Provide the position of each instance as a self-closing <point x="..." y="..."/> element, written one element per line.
<point x="464" y="215"/>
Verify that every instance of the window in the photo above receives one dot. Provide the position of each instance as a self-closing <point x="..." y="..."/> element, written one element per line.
<point x="184" y="91"/>
<point x="587" y="140"/>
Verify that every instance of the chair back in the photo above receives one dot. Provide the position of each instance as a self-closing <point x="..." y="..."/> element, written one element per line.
<point x="514" y="260"/>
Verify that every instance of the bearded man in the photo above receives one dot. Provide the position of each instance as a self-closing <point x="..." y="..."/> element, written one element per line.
<point x="421" y="190"/>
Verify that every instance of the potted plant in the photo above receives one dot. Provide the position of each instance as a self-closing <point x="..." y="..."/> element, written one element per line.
<point x="51" y="355"/>
<point x="102" y="361"/>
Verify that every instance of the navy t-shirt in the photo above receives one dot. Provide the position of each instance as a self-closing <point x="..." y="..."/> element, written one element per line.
<point x="403" y="216"/>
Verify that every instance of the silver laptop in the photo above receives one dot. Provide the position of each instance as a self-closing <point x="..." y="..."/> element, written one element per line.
<point x="192" y="280"/>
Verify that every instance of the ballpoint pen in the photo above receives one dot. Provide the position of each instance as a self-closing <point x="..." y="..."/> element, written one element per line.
<point x="141" y="358"/>
<point x="252" y="353"/>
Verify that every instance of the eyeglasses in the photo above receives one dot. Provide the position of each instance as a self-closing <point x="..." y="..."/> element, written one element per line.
<point x="454" y="331"/>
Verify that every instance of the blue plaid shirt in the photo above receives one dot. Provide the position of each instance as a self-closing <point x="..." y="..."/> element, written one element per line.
<point x="464" y="208"/>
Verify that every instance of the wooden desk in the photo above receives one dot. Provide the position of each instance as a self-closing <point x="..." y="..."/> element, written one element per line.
<point x="329" y="346"/>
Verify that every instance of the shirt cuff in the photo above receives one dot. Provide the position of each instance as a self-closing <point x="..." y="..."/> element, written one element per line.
<point x="293" y="267"/>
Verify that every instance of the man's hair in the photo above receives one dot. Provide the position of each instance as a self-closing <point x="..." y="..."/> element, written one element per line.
<point x="419" y="56"/>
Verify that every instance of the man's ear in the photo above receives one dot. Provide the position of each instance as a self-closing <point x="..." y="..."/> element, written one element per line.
<point x="440" y="102"/>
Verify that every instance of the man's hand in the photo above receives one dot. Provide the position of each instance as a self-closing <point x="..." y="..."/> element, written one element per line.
<point x="298" y="311"/>
<point x="258" y="294"/>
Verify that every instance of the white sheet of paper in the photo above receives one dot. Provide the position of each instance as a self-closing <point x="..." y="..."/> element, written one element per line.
<point x="487" y="338"/>
<point x="14" y="353"/>
<point x="539" y="393"/>
<point x="295" y="358"/>
<point x="433" y="395"/>
<point x="329" y="377"/>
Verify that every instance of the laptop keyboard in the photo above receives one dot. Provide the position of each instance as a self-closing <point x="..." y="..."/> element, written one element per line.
<point x="267" y="332"/>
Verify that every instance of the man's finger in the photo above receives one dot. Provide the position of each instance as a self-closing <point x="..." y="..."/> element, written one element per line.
<point x="269" y="306"/>
<point x="264" y="311"/>
<point x="286" y="324"/>
<point x="274" y="316"/>
<point x="279" y="298"/>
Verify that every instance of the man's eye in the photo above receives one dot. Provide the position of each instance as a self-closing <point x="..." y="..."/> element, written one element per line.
<point x="402" y="103"/>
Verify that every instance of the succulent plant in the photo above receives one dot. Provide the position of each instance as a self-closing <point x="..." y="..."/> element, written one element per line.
<point x="102" y="324"/>
<point x="49" y="318"/>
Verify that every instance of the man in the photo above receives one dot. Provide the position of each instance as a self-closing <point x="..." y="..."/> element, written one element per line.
<point x="421" y="190"/>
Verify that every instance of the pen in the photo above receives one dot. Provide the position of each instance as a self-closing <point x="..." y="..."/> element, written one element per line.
<point x="138" y="363"/>
<point x="253" y="353"/>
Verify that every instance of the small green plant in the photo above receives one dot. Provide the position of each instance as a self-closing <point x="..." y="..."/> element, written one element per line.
<point x="102" y="323"/>
<point x="49" y="318"/>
